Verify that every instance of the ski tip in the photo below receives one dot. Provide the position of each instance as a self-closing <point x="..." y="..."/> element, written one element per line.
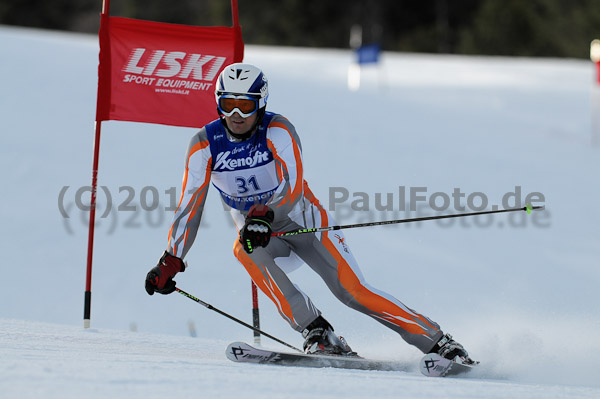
<point x="236" y="350"/>
<point x="434" y="365"/>
<point x="529" y="208"/>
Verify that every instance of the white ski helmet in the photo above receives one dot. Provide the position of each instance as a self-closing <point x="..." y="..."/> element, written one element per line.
<point x="243" y="79"/>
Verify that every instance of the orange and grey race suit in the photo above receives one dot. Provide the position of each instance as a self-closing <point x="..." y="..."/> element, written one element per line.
<point x="267" y="168"/>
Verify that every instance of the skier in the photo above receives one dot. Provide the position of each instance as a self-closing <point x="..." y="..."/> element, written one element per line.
<point x="254" y="160"/>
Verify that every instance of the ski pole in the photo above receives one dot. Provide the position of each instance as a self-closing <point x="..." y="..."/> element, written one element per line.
<point x="527" y="208"/>
<point x="211" y="307"/>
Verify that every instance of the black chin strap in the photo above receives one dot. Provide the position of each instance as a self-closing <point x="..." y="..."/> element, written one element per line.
<point x="248" y="134"/>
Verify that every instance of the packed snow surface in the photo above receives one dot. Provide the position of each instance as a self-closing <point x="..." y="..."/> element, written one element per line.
<point x="519" y="291"/>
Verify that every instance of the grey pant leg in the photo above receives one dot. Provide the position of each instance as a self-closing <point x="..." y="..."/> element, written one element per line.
<point x="327" y="253"/>
<point x="293" y="304"/>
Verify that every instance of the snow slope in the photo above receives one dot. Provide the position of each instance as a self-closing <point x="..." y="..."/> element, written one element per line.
<point x="53" y="361"/>
<point x="521" y="292"/>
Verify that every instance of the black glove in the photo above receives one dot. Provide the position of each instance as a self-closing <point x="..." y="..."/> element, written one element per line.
<point x="160" y="277"/>
<point x="257" y="229"/>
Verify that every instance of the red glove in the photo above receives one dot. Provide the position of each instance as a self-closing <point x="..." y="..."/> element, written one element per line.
<point x="257" y="229"/>
<point x="160" y="277"/>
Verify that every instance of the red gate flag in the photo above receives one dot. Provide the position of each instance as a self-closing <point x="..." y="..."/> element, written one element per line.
<point x="163" y="73"/>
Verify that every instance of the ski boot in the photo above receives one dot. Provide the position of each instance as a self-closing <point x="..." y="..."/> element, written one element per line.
<point x="319" y="339"/>
<point x="448" y="348"/>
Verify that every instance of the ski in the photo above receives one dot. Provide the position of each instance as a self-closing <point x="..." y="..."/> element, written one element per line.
<point x="241" y="352"/>
<point x="433" y="365"/>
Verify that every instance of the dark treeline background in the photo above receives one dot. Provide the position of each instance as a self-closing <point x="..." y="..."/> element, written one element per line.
<point x="551" y="28"/>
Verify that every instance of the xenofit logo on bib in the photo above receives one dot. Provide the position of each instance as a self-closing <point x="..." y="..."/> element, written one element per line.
<point x="224" y="162"/>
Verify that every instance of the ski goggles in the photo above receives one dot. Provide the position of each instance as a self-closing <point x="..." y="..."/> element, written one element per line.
<point x="244" y="105"/>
